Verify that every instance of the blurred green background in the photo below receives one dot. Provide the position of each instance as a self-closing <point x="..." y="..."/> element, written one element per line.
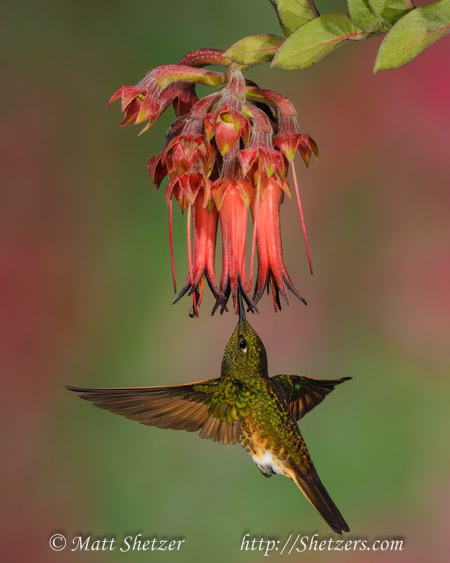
<point x="86" y="291"/>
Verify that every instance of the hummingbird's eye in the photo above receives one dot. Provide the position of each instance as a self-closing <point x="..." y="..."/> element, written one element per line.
<point x="243" y="344"/>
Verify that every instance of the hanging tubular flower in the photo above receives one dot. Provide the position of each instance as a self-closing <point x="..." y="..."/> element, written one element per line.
<point x="224" y="155"/>
<point x="228" y="126"/>
<point x="227" y="123"/>
<point x="261" y="158"/>
<point x="232" y="196"/>
<point x="288" y="139"/>
<point x="185" y="146"/>
<point x="267" y="168"/>
<point x="204" y="220"/>
<point x="271" y="268"/>
<point x="186" y="189"/>
<point x="184" y="150"/>
<point x="156" y="91"/>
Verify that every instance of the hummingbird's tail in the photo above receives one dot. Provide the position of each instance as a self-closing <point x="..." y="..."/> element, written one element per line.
<point x="313" y="489"/>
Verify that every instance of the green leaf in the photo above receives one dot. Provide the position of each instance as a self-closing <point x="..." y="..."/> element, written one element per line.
<point x="316" y="39"/>
<point x="254" y="49"/>
<point x="412" y="34"/>
<point x="294" y="13"/>
<point x="364" y="17"/>
<point x="390" y="11"/>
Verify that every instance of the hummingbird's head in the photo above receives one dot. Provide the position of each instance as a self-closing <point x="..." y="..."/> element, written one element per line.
<point x="245" y="353"/>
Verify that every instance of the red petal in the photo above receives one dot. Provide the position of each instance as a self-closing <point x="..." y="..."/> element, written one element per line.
<point x="306" y="147"/>
<point x="127" y="93"/>
<point x="149" y="109"/>
<point x="247" y="158"/>
<point x="226" y="134"/>
<point x="157" y="169"/>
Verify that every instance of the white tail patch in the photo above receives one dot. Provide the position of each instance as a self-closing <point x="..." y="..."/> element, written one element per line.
<point x="266" y="459"/>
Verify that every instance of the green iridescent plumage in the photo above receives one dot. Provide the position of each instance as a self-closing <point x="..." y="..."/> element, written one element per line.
<point x="243" y="405"/>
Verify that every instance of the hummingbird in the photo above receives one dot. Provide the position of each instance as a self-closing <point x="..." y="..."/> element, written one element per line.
<point x="244" y="405"/>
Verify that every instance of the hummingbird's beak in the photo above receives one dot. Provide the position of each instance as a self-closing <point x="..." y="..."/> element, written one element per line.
<point x="241" y="307"/>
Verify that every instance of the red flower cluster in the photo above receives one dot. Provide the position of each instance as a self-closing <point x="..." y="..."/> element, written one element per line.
<point x="225" y="155"/>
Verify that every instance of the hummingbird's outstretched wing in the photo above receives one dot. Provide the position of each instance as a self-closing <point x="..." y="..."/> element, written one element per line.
<point x="304" y="393"/>
<point x="207" y="405"/>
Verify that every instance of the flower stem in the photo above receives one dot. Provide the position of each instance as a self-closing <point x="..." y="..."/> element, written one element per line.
<point x="301" y="217"/>
<point x="205" y="57"/>
<point x="171" y="246"/>
<point x="191" y="276"/>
